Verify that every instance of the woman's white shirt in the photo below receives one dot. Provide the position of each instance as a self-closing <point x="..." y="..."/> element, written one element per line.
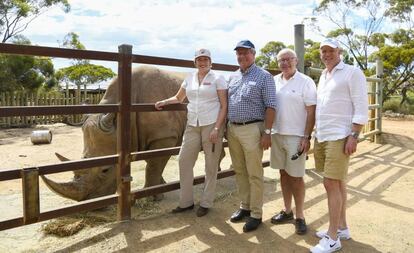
<point x="204" y="105"/>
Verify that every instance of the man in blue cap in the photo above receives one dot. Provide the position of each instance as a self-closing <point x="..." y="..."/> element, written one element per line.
<point x="251" y="110"/>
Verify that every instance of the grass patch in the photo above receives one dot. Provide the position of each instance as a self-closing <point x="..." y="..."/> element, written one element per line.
<point x="72" y="224"/>
<point x="393" y="104"/>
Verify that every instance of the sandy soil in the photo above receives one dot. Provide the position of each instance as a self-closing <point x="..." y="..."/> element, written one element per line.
<point x="380" y="204"/>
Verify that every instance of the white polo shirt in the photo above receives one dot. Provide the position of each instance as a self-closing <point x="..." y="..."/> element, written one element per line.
<point x="292" y="96"/>
<point x="204" y="104"/>
<point x="342" y="100"/>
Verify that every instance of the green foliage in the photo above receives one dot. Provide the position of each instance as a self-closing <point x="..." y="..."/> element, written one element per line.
<point x="394" y="104"/>
<point x="267" y="57"/>
<point x="358" y="28"/>
<point x="81" y="72"/>
<point x="16" y="15"/>
<point x="20" y="72"/>
<point x="84" y="74"/>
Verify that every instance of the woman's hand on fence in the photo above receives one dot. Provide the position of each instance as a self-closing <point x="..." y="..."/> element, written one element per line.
<point x="160" y="104"/>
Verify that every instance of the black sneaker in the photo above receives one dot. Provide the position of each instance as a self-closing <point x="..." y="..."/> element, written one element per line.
<point x="282" y="217"/>
<point x="300" y="226"/>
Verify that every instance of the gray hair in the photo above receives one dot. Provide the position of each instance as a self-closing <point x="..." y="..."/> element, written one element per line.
<point x="286" y="51"/>
<point x="253" y="51"/>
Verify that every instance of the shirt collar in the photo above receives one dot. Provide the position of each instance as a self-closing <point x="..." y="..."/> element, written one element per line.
<point x="248" y="70"/>
<point x="292" y="78"/>
<point x="339" y="66"/>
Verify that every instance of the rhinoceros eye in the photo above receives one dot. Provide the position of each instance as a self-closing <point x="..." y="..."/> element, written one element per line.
<point x="106" y="169"/>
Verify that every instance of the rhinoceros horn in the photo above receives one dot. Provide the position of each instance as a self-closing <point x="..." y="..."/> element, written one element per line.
<point x="77" y="189"/>
<point x="61" y="157"/>
<point x="106" y="122"/>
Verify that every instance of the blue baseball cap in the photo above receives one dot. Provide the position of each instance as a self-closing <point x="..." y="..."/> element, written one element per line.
<point x="244" y="44"/>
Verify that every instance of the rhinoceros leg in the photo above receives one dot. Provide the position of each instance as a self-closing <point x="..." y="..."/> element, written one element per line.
<point x="155" y="166"/>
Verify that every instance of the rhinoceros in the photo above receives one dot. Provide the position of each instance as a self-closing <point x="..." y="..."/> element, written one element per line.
<point x="155" y="130"/>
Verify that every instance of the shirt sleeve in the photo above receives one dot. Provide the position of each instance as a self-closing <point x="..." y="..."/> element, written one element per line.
<point x="309" y="92"/>
<point x="269" y="91"/>
<point x="186" y="81"/>
<point x="221" y="83"/>
<point x="359" y="97"/>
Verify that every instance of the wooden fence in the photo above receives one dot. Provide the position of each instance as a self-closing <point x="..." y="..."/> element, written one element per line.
<point x="123" y="157"/>
<point x="43" y="99"/>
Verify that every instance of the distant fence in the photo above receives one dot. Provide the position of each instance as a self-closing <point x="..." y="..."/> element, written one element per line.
<point x="42" y="99"/>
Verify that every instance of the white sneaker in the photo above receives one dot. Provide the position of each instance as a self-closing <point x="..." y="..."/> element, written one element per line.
<point x="327" y="245"/>
<point x="342" y="234"/>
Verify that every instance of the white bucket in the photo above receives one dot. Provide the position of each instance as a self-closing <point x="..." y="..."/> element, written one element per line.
<point x="41" y="137"/>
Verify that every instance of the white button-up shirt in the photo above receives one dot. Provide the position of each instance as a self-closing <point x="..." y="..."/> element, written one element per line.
<point x="204" y="105"/>
<point x="292" y="97"/>
<point x="342" y="100"/>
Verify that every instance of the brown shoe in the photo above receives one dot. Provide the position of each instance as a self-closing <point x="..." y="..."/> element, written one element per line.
<point x="201" y="211"/>
<point x="182" y="209"/>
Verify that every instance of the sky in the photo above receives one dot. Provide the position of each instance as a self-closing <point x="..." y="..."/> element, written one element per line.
<point x="172" y="28"/>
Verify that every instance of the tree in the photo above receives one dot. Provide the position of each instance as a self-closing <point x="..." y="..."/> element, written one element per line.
<point x="358" y="27"/>
<point x="16" y="15"/>
<point x="398" y="59"/>
<point x="82" y="72"/>
<point x="267" y="56"/>
<point x="349" y="16"/>
<point x="21" y="72"/>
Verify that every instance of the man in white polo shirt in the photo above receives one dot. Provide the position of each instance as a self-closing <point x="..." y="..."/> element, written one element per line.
<point x="295" y="118"/>
<point x="341" y="111"/>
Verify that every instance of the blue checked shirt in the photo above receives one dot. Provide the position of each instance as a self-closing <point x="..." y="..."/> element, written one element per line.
<point x="250" y="93"/>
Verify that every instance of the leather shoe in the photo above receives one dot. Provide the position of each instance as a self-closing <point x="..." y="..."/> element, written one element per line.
<point x="182" y="209"/>
<point x="300" y="226"/>
<point x="239" y="215"/>
<point x="201" y="211"/>
<point x="282" y="217"/>
<point x="252" y="224"/>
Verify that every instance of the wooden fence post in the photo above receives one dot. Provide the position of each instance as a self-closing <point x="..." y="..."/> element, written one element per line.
<point x="378" y="94"/>
<point x="30" y="188"/>
<point x="123" y="132"/>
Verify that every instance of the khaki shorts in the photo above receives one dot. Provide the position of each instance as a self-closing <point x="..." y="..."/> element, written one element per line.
<point x="283" y="148"/>
<point x="331" y="159"/>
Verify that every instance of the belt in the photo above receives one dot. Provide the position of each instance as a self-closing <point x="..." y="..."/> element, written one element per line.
<point x="247" y="122"/>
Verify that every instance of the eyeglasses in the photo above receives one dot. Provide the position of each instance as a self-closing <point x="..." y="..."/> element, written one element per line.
<point x="285" y="59"/>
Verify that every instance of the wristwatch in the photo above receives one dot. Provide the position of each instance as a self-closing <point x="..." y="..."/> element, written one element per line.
<point x="309" y="137"/>
<point x="355" y="135"/>
<point x="267" y="131"/>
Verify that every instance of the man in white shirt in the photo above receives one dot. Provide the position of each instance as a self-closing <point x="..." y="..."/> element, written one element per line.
<point x="295" y="118"/>
<point x="341" y="111"/>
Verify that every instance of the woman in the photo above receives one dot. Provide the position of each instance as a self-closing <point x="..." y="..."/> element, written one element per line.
<point x="207" y="110"/>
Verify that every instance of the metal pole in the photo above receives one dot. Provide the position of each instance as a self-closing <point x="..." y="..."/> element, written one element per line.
<point x="124" y="132"/>
<point x="300" y="46"/>
<point x="378" y="94"/>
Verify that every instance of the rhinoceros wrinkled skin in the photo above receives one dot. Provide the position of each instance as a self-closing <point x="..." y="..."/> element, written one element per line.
<point x="151" y="130"/>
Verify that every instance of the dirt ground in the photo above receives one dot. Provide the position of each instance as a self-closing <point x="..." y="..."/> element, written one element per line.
<point x="380" y="204"/>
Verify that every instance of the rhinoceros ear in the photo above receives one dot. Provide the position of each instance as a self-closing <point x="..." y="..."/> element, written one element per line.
<point x="106" y="122"/>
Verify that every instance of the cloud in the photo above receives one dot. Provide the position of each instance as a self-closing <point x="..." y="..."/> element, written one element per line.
<point x="172" y="28"/>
